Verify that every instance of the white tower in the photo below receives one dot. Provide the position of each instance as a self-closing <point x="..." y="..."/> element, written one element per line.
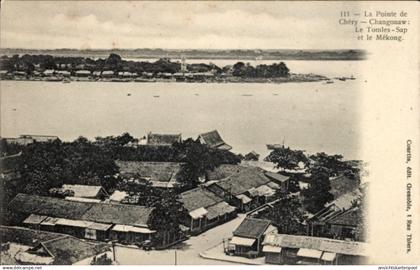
<point x="183" y="65"/>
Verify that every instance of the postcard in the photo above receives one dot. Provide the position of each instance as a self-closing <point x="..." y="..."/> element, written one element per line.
<point x="209" y="133"/>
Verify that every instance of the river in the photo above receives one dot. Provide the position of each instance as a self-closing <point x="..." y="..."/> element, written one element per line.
<point x="311" y="116"/>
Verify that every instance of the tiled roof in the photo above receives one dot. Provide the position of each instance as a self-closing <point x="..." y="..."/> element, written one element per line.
<point x="346" y="201"/>
<point x="316" y="243"/>
<point x="252" y="227"/>
<point x="219" y="210"/>
<point x="199" y="197"/>
<point x="214" y="140"/>
<point x="223" y="171"/>
<point x="97" y="212"/>
<point x="48" y="206"/>
<point x="74" y="248"/>
<point x="243" y="181"/>
<point x="54" y="243"/>
<point x="118" y="214"/>
<point x="350" y="217"/>
<point x="25" y="236"/>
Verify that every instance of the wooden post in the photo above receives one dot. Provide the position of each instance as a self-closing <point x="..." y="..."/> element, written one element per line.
<point x="113" y="250"/>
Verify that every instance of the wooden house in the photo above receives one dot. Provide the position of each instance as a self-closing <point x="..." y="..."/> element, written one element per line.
<point x="244" y="187"/>
<point x="205" y="209"/>
<point x="99" y="221"/>
<point x="280" y="179"/>
<point x="336" y="219"/>
<point x="248" y="238"/>
<point x="299" y="249"/>
<point x="82" y="73"/>
<point x="39" y="247"/>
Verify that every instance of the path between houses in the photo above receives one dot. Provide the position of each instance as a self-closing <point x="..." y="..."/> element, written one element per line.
<point x="217" y="253"/>
<point x="186" y="253"/>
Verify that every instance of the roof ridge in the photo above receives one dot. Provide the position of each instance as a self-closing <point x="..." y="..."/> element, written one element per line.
<point x="208" y="132"/>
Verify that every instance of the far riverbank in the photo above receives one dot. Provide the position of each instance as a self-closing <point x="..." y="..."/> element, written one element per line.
<point x="232" y="79"/>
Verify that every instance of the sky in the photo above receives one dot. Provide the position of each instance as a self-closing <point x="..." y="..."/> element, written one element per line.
<point x="173" y="25"/>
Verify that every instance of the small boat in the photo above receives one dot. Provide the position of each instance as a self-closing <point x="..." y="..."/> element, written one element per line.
<point x="352" y="77"/>
<point x="156" y="96"/>
<point x="247" y="95"/>
<point x="129" y="94"/>
<point x="342" y="79"/>
<point x="66" y="80"/>
<point x="329" y="81"/>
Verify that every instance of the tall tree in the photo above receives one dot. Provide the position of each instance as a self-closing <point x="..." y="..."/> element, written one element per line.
<point x="333" y="165"/>
<point x="286" y="158"/>
<point x="287" y="215"/>
<point x="166" y="216"/>
<point x="197" y="159"/>
<point x="318" y="192"/>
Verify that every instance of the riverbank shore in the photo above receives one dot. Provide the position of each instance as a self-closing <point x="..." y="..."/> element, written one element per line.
<point x="231" y="79"/>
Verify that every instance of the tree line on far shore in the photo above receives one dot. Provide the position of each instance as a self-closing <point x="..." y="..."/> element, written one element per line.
<point x="31" y="63"/>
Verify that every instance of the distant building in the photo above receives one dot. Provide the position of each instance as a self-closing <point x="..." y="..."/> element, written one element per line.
<point x="248" y="238"/>
<point x="80" y="67"/>
<point x="254" y="156"/>
<point x="63" y="73"/>
<point x="20" y="73"/>
<point x="83" y="73"/>
<point x="297" y="249"/>
<point x="28" y="139"/>
<point x="27" y="246"/>
<point x="96" y="74"/>
<point x="163" y="139"/>
<point x="275" y="146"/>
<point x="184" y="68"/>
<point x="107" y="74"/>
<point x="214" y="140"/>
<point x="147" y="74"/>
<point x="49" y="72"/>
<point x="3" y="74"/>
<point x="126" y="74"/>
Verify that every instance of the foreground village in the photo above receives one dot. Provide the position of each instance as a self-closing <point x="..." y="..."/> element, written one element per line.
<point x="162" y="199"/>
